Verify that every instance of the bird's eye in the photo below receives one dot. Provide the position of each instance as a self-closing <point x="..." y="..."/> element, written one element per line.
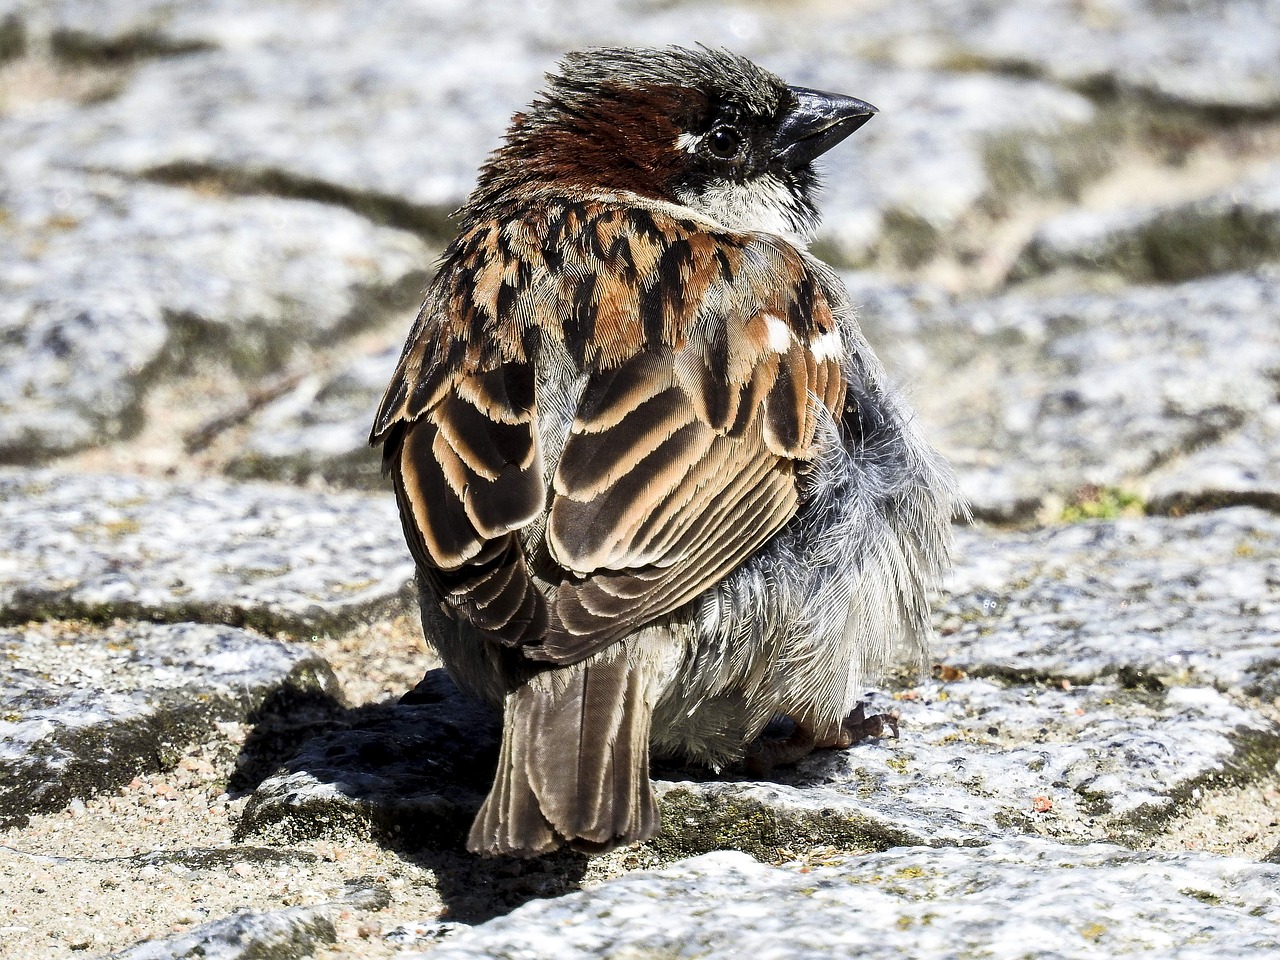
<point x="724" y="142"/>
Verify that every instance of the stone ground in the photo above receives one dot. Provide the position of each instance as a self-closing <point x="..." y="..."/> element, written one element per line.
<point x="216" y="737"/>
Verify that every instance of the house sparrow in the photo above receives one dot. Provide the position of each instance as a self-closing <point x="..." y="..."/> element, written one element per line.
<point x="656" y="484"/>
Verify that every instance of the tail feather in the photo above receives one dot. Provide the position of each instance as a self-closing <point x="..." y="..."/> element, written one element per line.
<point x="574" y="766"/>
<point x="510" y="821"/>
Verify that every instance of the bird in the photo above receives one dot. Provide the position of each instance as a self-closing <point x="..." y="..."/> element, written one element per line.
<point x="658" y="489"/>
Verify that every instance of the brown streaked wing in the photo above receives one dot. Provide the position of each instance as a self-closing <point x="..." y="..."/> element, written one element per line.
<point x="679" y="521"/>
<point x="681" y="461"/>
<point x="459" y="524"/>
<point x="605" y="606"/>
<point x="462" y="452"/>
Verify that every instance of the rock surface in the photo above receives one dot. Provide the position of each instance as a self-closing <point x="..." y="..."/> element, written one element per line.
<point x="1187" y="56"/>
<point x="1091" y="901"/>
<point x="297" y="932"/>
<point x="1155" y="603"/>
<point x="1243" y="468"/>
<point x="215" y="222"/>
<point x="287" y="934"/>
<point x="321" y="427"/>
<point x="85" y="710"/>
<point x="103" y="282"/>
<point x="1236" y="229"/>
<point x="345" y="113"/>
<point x="1035" y="399"/>
<point x="278" y="559"/>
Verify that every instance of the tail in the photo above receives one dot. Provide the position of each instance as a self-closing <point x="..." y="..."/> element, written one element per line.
<point x="574" y="766"/>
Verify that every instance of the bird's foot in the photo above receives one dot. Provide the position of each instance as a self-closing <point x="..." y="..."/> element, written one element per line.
<point x="764" y="755"/>
<point x="857" y="726"/>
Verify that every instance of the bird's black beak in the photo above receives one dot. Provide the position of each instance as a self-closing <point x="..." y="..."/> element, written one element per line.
<point x="816" y="123"/>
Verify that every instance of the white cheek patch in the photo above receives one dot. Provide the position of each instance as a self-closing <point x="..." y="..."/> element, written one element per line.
<point x="826" y="346"/>
<point x="688" y="142"/>
<point x="764" y="204"/>
<point x="779" y="333"/>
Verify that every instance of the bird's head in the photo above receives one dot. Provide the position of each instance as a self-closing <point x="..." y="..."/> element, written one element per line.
<point x="702" y="128"/>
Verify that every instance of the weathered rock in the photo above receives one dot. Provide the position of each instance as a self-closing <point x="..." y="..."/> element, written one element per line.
<point x="1111" y="606"/>
<point x="321" y="428"/>
<point x="1210" y="58"/>
<point x="978" y="761"/>
<point x="1236" y="229"/>
<point x="13" y="36"/>
<point x="270" y="557"/>
<point x="1155" y="602"/>
<point x="1085" y="901"/>
<point x="1033" y="399"/>
<point x="291" y="934"/>
<point x="86" y="709"/>
<point x="898" y="321"/>
<point x="412" y="773"/>
<point x="345" y="109"/>
<point x="1243" y="468"/>
<point x="102" y="282"/>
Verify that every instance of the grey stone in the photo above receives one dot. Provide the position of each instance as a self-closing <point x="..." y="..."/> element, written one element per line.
<point x="1000" y="901"/>
<point x="1235" y="229"/>
<point x="1154" y="602"/>
<point x="345" y="107"/>
<point x="269" y="557"/>
<point x="1243" y="468"/>
<point x="86" y="709"/>
<point x="943" y="148"/>
<point x="975" y="760"/>
<point x="899" y="321"/>
<point x="321" y="427"/>
<point x="412" y="773"/>
<point x="1034" y="399"/>
<point x="13" y="34"/>
<point x="103" y="282"/>
<point x="194" y="859"/>
<point x="115" y="32"/>
<point x="1216" y="59"/>
<point x="1122" y="610"/>
<point x="291" y="934"/>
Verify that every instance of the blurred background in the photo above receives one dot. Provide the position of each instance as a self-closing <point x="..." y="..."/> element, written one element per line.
<point x="217" y="217"/>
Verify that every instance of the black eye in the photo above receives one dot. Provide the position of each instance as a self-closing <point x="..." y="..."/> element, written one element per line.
<point x="724" y="142"/>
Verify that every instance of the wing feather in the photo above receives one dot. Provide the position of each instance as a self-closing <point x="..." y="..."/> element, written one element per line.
<point x="708" y="360"/>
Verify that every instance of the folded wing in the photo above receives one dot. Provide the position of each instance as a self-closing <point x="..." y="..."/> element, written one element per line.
<point x="711" y="363"/>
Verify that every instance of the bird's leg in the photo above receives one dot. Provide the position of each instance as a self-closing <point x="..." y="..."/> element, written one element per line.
<point x="764" y="755"/>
